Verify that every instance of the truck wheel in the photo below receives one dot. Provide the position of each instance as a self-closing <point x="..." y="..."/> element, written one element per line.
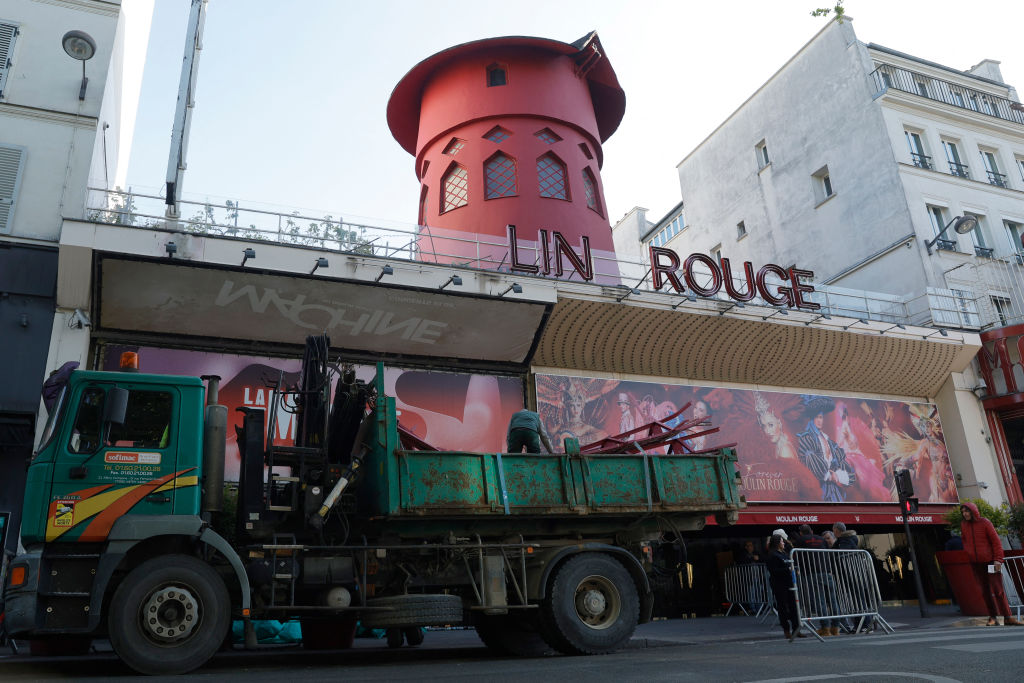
<point x="169" y="615"/>
<point x="414" y="610"/>
<point x="592" y="606"/>
<point x="514" y="635"/>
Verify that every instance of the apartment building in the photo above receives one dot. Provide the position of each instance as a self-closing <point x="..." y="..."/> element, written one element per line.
<point x="70" y="73"/>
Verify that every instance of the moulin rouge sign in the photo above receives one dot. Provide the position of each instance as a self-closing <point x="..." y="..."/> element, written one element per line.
<point x="666" y="268"/>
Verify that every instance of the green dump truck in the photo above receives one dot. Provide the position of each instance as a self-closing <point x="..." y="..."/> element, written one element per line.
<point x="128" y="534"/>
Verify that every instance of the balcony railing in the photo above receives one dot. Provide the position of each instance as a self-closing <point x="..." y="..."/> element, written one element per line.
<point x="997" y="178"/>
<point x="921" y="160"/>
<point x="898" y="78"/>
<point x="959" y="169"/>
<point x="943" y="244"/>
<point x="984" y="252"/>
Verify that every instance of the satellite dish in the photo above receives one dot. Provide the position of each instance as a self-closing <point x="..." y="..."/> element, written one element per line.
<point x="965" y="224"/>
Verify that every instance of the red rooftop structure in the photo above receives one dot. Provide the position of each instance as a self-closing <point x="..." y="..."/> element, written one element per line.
<point x="508" y="132"/>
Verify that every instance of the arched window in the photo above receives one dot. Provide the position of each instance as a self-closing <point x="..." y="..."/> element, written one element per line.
<point x="456" y="188"/>
<point x="500" y="176"/>
<point x="497" y="135"/>
<point x="496" y="75"/>
<point x="551" y="177"/>
<point x="454" y="147"/>
<point x="548" y="136"/>
<point x="590" y="187"/>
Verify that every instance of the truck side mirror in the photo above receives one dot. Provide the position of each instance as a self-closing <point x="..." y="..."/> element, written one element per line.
<point x="116" y="405"/>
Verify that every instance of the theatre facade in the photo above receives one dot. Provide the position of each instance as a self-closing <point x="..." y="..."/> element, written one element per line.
<point x="521" y="301"/>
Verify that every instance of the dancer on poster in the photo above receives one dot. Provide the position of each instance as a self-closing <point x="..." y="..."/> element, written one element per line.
<point x="823" y="456"/>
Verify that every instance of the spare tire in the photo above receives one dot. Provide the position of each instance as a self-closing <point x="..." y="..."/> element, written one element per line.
<point x="414" y="610"/>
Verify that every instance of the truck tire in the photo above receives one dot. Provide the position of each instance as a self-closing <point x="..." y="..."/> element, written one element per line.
<point x="514" y="635"/>
<point x="592" y="606"/>
<point x="169" y="615"/>
<point x="414" y="610"/>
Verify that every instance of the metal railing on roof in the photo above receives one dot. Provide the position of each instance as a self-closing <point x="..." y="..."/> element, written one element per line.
<point x="965" y="303"/>
<point x="922" y="85"/>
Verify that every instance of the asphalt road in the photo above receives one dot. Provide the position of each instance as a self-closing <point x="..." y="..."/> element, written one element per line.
<point x="937" y="655"/>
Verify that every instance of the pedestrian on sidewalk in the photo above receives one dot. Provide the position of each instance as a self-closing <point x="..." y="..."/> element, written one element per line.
<point x="985" y="549"/>
<point x="780" y="577"/>
<point x="858" y="590"/>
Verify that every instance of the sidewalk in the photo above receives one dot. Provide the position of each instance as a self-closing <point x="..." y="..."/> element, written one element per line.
<point x="735" y="628"/>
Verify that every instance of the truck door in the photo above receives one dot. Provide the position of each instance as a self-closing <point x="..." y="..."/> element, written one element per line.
<point x="104" y="470"/>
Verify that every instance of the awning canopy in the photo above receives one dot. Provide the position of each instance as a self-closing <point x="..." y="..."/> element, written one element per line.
<point x="700" y="342"/>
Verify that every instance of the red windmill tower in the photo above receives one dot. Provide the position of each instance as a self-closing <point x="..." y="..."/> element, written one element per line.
<point x="508" y="132"/>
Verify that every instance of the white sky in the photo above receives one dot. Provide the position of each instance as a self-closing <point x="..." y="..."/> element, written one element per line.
<point x="291" y="97"/>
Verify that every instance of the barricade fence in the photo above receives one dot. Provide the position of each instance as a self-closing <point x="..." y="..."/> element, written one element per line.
<point x="1013" y="583"/>
<point x="747" y="587"/>
<point x="837" y="590"/>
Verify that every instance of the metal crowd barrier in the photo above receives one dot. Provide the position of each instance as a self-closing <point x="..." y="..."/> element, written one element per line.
<point x="837" y="589"/>
<point x="746" y="587"/>
<point x="1013" y="582"/>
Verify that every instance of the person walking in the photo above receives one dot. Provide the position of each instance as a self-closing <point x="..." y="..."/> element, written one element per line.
<point x="780" y="578"/>
<point x="984" y="550"/>
<point x="846" y="539"/>
<point x="525" y="430"/>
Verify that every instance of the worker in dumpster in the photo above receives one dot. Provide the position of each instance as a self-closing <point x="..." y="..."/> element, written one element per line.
<point x="525" y="430"/>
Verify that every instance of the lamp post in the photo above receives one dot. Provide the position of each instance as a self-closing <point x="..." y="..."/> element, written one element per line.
<point x="961" y="224"/>
<point x="79" y="45"/>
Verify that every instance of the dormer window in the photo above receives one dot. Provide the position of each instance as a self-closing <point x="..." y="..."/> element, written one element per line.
<point x="496" y="75"/>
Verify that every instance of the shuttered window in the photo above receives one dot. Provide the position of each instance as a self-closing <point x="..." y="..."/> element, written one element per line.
<point x="8" y="32"/>
<point x="11" y="161"/>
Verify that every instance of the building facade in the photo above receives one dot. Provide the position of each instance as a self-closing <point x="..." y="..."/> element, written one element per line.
<point x="855" y="159"/>
<point x="62" y="130"/>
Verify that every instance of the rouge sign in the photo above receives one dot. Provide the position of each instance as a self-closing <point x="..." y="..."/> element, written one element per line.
<point x="776" y="294"/>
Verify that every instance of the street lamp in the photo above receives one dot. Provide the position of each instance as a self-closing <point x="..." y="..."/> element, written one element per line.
<point x="79" y="45"/>
<point x="961" y="224"/>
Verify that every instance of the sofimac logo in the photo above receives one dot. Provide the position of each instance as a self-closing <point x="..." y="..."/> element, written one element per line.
<point x="338" y="320"/>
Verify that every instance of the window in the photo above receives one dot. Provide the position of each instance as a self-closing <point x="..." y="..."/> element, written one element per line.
<point x="988" y="160"/>
<point x="497" y="135"/>
<point x="12" y="159"/>
<point x="456" y="188"/>
<point x="423" y="206"/>
<point x="1004" y="309"/>
<point x="671" y="229"/>
<point x="423" y="171"/>
<point x="1015" y="231"/>
<point x="716" y="253"/>
<point x="590" y="187"/>
<point x="500" y="177"/>
<point x="741" y="230"/>
<point x="978" y="238"/>
<point x="453" y="148"/>
<point x="937" y="216"/>
<point x="956" y="167"/>
<point x="548" y="136"/>
<point x="761" y="149"/>
<point x="1020" y="167"/>
<point x="822" y="184"/>
<point x="586" y="151"/>
<point x="887" y="79"/>
<point x="551" y="177"/>
<point x="958" y="99"/>
<point x="8" y="34"/>
<point x="496" y="75"/>
<point x="147" y="421"/>
<point x="85" y="437"/>
<point x="922" y="88"/>
<point x="916" y="145"/>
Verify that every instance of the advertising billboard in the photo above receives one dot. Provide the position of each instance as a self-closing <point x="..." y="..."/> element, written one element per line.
<point x="792" y="447"/>
<point x="452" y="411"/>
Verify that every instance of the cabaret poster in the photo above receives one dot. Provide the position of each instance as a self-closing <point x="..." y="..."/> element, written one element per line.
<point x="452" y="411"/>
<point x="791" y="447"/>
